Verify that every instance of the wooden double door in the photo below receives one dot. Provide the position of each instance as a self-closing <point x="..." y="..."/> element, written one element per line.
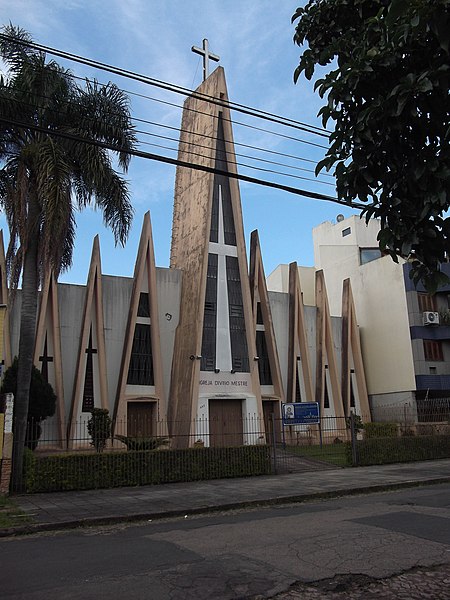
<point x="225" y="422"/>
<point x="141" y="418"/>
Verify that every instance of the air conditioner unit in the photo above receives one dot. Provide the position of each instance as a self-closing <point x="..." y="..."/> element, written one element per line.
<point x="430" y="318"/>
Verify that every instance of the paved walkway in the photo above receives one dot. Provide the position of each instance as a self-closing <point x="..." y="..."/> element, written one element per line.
<point x="71" y="509"/>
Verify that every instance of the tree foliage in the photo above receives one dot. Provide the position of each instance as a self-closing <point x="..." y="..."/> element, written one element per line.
<point x="386" y="82"/>
<point x="41" y="401"/>
<point x="52" y="163"/>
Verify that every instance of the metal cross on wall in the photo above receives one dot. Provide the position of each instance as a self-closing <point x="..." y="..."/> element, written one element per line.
<point x="207" y="56"/>
<point x="45" y="359"/>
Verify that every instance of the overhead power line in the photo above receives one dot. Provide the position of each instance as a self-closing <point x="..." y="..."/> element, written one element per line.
<point x="172" y="87"/>
<point x="189" y="165"/>
<point x="179" y="130"/>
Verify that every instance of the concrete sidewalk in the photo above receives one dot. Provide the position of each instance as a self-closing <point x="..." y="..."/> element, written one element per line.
<point x="94" y="507"/>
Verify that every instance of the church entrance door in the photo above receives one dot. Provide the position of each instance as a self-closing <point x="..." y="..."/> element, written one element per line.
<point x="225" y="423"/>
<point x="140" y="419"/>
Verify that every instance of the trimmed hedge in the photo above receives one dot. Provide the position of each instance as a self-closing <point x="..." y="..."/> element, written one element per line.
<point x="83" y="471"/>
<point x="385" y="450"/>
<point x="377" y="430"/>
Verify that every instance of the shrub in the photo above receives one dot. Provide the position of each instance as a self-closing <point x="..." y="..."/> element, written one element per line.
<point x="380" y="430"/>
<point x="379" y="451"/>
<point x="82" y="471"/>
<point x="99" y="428"/>
<point x="41" y="401"/>
<point x="142" y="443"/>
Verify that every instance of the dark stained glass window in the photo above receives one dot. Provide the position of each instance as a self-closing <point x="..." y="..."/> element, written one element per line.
<point x="214" y="233"/>
<point x="239" y="351"/>
<point x="259" y="317"/>
<point x="298" y="394"/>
<point x="326" y="399"/>
<point x="208" y="361"/>
<point x="144" y="305"/>
<point x="352" y="394"/>
<point x="265" y="374"/>
<point x="140" y="371"/>
<point x="223" y="182"/>
<point x="88" y="390"/>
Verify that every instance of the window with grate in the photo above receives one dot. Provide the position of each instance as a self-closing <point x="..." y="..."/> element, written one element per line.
<point x="265" y="374"/>
<point x="433" y="350"/>
<point x="208" y="360"/>
<point x="140" y="370"/>
<point x="427" y="302"/>
<point x="239" y="350"/>
<point x="144" y="305"/>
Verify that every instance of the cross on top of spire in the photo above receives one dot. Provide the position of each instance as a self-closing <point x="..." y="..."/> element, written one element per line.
<point x="207" y="56"/>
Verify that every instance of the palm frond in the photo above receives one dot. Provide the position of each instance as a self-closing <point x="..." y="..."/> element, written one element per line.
<point x="12" y="48"/>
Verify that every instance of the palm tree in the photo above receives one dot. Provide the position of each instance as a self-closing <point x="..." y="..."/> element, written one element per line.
<point x="53" y="162"/>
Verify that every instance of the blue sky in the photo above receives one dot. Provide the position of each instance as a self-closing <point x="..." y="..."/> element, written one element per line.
<point x="254" y="41"/>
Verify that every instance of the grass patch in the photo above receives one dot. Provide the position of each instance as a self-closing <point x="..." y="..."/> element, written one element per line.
<point x="334" y="454"/>
<point x="10" y="514"/>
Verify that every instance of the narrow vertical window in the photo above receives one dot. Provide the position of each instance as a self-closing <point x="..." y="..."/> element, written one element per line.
<point x="265" y="374"/>
<point x="88" y="390"/>
<point x="239" y="350"/>
<point x="208" y="361"/>
<point x="140" y="371"/>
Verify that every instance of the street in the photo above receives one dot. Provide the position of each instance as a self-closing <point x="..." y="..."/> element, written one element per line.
<point x="257" y="553"/>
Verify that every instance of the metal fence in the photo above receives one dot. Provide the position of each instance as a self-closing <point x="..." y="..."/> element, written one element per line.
<point x="134" y="452"/>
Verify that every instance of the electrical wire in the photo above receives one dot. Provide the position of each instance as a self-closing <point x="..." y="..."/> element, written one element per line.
<point x="171" y="87"/>
<point x="179" y="130"/>
<point x="190" y="165"/>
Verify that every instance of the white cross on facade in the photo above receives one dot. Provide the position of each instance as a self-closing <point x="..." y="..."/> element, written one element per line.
<point x="223" y="338"/>
<point x="207" y="56"/>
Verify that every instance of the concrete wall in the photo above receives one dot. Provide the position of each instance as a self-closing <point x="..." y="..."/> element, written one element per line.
<point x="380" y="302"/>
<point x="168" y="283"/>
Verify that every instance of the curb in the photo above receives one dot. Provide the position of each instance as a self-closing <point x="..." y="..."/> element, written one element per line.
<point x="172" y="514"/>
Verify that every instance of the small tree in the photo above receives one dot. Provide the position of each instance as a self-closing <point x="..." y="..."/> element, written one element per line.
<point x="41" y="401"/>
<point x="99" y="428"/>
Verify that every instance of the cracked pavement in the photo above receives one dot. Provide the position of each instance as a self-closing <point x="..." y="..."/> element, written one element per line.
<point x="380" y="543"/>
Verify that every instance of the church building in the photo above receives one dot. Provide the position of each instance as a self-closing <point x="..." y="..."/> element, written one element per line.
<point x="200" y="352"/>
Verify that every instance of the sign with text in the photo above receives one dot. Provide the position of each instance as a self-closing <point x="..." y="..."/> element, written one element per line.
<point x="301" y="413"/>
<point x="225" y="383"/>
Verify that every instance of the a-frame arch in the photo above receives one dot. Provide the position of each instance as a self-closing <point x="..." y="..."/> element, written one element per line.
<point x="140" y="405"/>
<point x="328" y="389"/>
<point x="354" y="387"/>
<point x="47" y="358"/>
<point x="272" y="392"/>
<point x="300" y="384"/>
<point x="90" y="383"/>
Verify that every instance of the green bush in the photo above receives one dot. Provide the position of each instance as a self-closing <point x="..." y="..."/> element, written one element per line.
<point x="41" y="401"/>
<point x="142" y="443"/>
<point x="82" y="471"/>
<point x="379" y="451"/>
<point x="99" y="428"/>
<point x="380" y="430"/>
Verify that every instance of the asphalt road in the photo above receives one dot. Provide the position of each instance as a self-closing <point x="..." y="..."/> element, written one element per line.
<point x="255" y="553"/>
